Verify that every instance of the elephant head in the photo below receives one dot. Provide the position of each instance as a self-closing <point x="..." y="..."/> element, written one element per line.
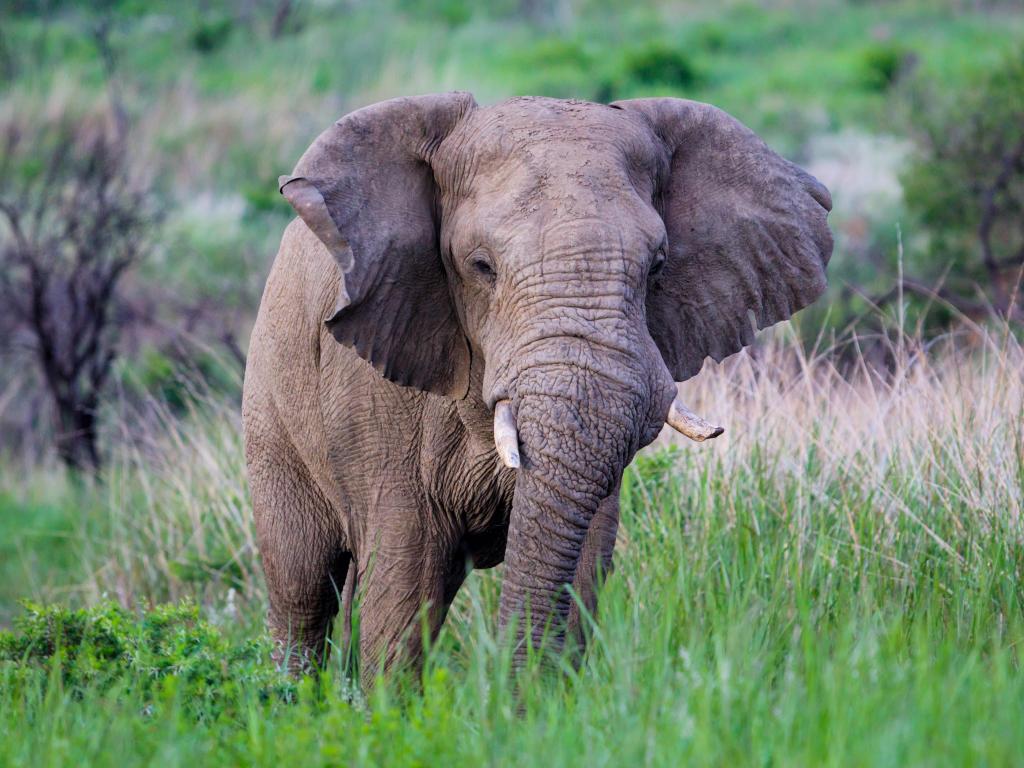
<point x="581" y="258"/>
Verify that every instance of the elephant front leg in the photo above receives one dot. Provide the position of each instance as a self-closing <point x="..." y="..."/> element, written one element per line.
<point x="594" y="565"/>
<point x="404" y="592"/>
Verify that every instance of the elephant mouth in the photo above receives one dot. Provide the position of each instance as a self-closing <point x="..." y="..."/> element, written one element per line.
<point x="679" y="417"/>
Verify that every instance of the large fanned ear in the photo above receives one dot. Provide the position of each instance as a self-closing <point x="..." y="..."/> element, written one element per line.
<point x="366" y="189"/>
<point x="747" y="230"/>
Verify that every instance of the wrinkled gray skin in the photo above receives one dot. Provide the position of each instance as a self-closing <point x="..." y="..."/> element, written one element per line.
<point x="573" y="258"/>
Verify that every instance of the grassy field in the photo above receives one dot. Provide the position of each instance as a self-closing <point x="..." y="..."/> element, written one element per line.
<point x="835" y="582"/>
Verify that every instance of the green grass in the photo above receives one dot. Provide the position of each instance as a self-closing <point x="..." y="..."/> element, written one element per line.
<point x="835" y="582"/>
<point x="37" y="540"/>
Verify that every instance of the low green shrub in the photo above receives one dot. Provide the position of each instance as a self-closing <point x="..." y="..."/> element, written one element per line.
<point x="105" y="645"/>
<point x="179" y="385"/>
<point x="654" y="66"/>
<point x="263" y="196"/>
<point x="712" y="37"/>
<point x="661" y="64"/>
<point x="452" y="13"/>
<point x="211" y="35"/>
<point x="881" y="65"/>
<point x="554" y="66"/>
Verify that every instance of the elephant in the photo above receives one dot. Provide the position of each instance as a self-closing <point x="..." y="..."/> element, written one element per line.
<point x="478" y="317"/>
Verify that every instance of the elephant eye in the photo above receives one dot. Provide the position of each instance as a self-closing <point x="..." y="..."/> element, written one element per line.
<point x="658" y="263"/>
<point x="481" y="264"/>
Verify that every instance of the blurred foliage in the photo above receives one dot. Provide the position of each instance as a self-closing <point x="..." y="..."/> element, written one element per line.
<point x="555" y="66"/>
<point x="660" y="64"/>
<point x="883" y="63"/>
<point x="966" y="182"/>
<point x="38" y="545"/>
<point x="452" y="12"/>
<point x="224" y="95"/>
<point x="653" y="66"/>
<point x="173" y="380"/>
<point x="209" y="35"/>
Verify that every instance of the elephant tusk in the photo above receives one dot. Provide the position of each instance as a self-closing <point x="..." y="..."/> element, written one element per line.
<point x="686" y="422"/>
<point x="506" y="437"/>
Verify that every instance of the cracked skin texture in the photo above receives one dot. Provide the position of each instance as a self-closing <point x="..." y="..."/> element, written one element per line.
<point x="575" y="259"/>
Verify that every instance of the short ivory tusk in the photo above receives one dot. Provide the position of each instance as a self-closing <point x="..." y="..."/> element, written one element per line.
<point x="506" y="438"/>
<point x="686" y="422"/>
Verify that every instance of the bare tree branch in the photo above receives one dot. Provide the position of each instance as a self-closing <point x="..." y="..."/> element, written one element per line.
<point x="281" y="16"/>
<point x="68" y="236"/>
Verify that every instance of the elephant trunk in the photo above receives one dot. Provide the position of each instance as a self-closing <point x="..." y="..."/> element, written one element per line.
<point x="577" y="431"/>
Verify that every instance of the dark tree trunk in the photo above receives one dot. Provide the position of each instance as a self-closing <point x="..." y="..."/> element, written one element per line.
<point x="77" y="438"/>
<point x="281" y="16"/>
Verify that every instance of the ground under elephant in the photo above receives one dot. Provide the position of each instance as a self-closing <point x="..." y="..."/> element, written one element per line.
<point x="477" y="319"/>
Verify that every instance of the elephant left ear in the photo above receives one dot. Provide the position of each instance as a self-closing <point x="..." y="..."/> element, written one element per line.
<point x="747" y="230"/>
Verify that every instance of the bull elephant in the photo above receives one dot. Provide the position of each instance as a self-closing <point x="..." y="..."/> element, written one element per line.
<point x="477" y="319"/>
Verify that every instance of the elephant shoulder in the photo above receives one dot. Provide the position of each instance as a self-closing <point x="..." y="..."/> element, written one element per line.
<point x="282" y="389"/>
<point x="303" y="283"/>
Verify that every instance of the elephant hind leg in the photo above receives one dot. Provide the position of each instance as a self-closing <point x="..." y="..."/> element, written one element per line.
<point x="301" y="545"/>
<point x="301" y="618"/>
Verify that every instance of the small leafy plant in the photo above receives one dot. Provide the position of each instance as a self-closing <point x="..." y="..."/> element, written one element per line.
<point x="660" y="64"/>
<point x="210" y="35"/>
<point x="105" y="645"/>
<point x="882" y="65"/>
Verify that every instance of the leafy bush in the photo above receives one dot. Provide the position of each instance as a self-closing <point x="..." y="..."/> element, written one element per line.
<point x="966" y="185"/>
<point x="655" y="65"/>
<point x="882" y="64"/>
<point x="553" y="52"/>
<point x="263" y="196"/>
<point x="660" y="64"/>
<point x="557" y="67"/>
<point x="453" y="13"/>
<point x="105" y="644"/>
<point x="712" y="37"/>
<point x="210" y="35"/>
<point x="178" y="384"/>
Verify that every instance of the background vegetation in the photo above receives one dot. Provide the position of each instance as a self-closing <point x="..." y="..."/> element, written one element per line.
<point x="837" y="580"/>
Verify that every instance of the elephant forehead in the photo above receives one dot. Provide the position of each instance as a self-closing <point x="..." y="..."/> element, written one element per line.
<point x="533" y="144"/>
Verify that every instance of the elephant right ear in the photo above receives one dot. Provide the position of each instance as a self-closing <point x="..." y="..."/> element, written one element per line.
<point x="366" y="189"/>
